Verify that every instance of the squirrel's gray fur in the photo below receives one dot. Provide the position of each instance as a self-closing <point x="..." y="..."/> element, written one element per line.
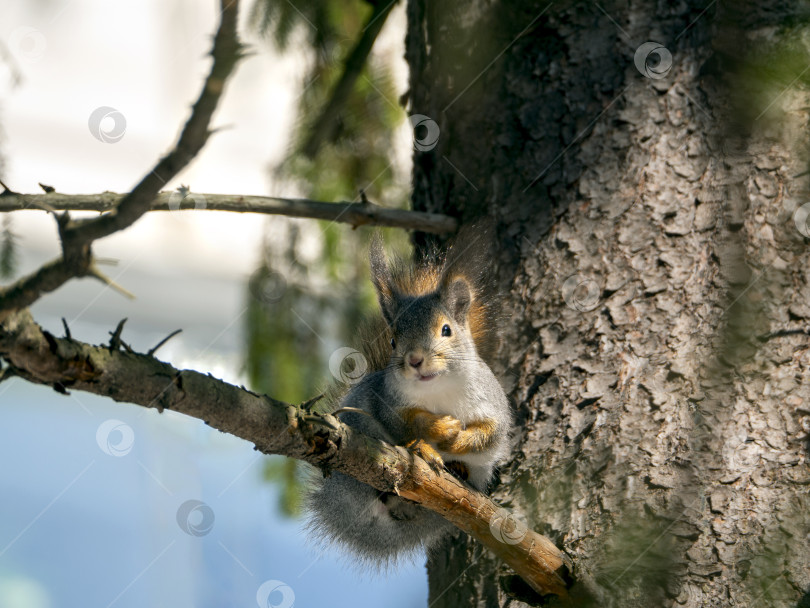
<point x="380" y="528"/>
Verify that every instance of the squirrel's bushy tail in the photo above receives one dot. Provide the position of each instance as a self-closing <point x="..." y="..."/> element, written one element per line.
<point x="379" y="528"/>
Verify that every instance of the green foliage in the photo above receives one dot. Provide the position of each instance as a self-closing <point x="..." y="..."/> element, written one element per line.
<point x="766" y="72"/>
<point x="285" y="473"/>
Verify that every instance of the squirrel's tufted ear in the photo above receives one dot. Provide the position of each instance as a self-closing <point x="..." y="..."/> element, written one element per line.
<point x="381" y="277"/>
<point x="457" y="298"/>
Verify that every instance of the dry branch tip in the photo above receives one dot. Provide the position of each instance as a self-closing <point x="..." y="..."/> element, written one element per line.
<point x="151" y="352"/>
<point x="94" y="272"/>
<point x="67" y="330"/>
<point x="115" y="340"/>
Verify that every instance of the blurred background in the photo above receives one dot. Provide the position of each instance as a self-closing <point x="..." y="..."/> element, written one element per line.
<point x="109" y="504"/>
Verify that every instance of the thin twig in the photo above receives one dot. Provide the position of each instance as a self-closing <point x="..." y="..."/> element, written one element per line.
<point x="354" y="410"/>
<point x="783" y="332"/>
<point x="115" y="340"/>
<point x="6" y="190"/>
<point x="363" y="213"/>
<point x="97" y="274"/>
<point x="7" y="372"/>
<point x="154" y="349"/>
<point x="307" y="405"/>
<point x="67" y="329"/>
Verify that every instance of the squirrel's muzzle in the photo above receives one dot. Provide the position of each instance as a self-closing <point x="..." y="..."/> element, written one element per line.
<point x="415" y="360"/>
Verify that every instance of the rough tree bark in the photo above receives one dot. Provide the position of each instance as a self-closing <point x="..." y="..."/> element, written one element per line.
<point x="662" y="418"/>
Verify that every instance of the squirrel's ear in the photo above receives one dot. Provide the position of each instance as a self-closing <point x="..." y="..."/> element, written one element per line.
<point x="457" y="299"/>
<point x="381" y="277"/>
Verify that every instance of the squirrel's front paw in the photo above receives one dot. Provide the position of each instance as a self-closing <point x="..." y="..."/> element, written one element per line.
<point x="427" y="452"/>
<point x="445" y="428"/>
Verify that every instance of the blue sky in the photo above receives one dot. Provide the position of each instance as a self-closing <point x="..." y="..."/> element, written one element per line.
<point x="81" y="527"/>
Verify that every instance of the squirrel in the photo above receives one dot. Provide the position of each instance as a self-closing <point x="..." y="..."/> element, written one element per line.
<point x="429" y="389"/>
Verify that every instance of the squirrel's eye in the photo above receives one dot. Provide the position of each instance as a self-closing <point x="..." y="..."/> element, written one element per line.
<point x="393" y="344"/>
<point x="446" y="331"/>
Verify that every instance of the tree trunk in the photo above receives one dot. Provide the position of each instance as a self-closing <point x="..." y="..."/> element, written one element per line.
<point x="654" y="252"/>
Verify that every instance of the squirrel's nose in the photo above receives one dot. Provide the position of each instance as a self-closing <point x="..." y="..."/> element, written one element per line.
<point x="415" y="360"/>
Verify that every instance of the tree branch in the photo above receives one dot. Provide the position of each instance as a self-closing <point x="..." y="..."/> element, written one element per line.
<point x="77" y="236"/>
<point x="356" y="214"/>
<point x="275" y="427"/>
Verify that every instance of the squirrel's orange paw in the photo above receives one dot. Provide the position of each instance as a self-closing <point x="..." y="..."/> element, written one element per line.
<point x="427" y="452"/>
<point x="445" y="429"/>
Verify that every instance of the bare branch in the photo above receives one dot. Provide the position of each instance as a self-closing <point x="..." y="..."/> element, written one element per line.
<point x="364" y="213"/>
<point x="274" y="427"/>
<point x="77" y="236"/>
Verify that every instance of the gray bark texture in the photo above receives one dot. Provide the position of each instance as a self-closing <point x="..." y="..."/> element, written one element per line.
<point x="656" y="277"/>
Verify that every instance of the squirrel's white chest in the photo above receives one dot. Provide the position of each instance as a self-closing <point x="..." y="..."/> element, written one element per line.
<point x="445" y="396"/>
